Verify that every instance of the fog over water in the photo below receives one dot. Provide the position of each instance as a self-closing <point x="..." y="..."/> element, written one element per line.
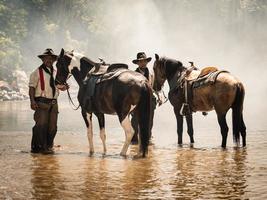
<point x="228" y="34"/>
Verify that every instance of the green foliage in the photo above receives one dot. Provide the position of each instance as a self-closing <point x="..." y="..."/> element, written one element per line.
<point x="26" y="23"/>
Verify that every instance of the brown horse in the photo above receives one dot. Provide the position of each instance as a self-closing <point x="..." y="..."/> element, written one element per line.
<point x="226" y="92"/>
<point x="124" y="92"/>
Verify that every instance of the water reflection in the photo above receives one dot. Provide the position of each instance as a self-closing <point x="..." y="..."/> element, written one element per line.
<point x="140" y="178"/>
<point x="185" y="183"/>
<point x="96" y="178"/>
<point x="184" y="174"/>
<point x="167" y="173"/>
<point x="229" y="179"/>
<point x="46" y="180"/>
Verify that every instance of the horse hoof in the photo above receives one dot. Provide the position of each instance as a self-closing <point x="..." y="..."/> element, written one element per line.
<point x="91" y="153"/>
<point x="223" y="148"/>
<point x="104" y="155"/>
<point x="123" y="155"/>
<point x="191" y="145"/>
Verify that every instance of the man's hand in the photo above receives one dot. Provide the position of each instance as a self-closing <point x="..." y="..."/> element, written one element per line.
<point x="34" y="105"/>
<point x="63" y="87"/>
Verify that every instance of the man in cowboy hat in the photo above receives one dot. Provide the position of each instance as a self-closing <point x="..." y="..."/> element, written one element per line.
<point x="142" y="60"/>
<point x="43" y="96"/>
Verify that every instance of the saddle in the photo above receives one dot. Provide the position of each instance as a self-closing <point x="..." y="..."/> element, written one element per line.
<point x="116" y="66"/>
<point x="99" y="74"/>
<point x="98" y="69"/>
<point x="207" y="78"/>
<point x="196" y="79"/>
<point x="195" y="74"/>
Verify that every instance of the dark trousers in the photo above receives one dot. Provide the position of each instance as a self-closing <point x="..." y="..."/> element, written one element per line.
<point x="134" y="122"/>
<point x="45" y="128"/>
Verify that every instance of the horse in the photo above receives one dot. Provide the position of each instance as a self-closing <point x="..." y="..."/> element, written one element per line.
<point x="127" y="92"/>
<point x="226" y="92"/>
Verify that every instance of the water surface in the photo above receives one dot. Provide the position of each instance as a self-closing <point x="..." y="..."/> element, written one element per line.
<point x="170" y="172"/>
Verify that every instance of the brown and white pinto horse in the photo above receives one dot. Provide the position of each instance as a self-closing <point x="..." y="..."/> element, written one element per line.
<point x="227" y="92"/>
<point x="128" y="92"/>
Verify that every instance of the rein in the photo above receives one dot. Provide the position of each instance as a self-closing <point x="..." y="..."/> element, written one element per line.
<point x="162" y="62"/>
<point x="74" y="107"/>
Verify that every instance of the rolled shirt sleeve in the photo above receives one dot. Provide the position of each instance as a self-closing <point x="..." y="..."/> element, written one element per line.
<point x="34" y="78"/>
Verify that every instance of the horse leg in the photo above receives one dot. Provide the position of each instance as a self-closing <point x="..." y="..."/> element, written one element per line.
<point x="135" y="125"/>
<point x="224" y="128"/>
<point x="179" y="119"/>
<point x="101" y="121"/>
<point x="127" y="127"/>
<point x="88" y="121"/>
<point x="190" y="130"/>
<point x="243" y="131"/>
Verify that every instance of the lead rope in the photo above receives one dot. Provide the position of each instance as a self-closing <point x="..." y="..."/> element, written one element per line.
<point x="71" y="102"/>
<point x="74" y="107"/>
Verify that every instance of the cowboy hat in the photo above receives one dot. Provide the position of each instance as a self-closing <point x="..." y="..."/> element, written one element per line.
<point x="48" y="52"/>
<point x="141" y="56"/>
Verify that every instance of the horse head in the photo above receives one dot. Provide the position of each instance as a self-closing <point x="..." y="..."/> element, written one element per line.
<point x="165" y="69"/>
<point x="70" y="63"/>
<point x="159" y="73"/>
<point x="63" y="62"/>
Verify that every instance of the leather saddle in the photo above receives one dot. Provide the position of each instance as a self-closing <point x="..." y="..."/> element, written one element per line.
<point x="101" y="69"/>
<point x="102" y="72"/>
<point x="195" y="74"/>
<point x="196" y="79"/>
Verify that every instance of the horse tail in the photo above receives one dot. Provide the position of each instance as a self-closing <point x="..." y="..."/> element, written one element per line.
<point x="237" y="115"/>
<point x="144" y="110"/>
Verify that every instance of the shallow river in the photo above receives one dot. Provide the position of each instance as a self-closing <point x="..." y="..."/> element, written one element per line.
<point x="169" y="172"/>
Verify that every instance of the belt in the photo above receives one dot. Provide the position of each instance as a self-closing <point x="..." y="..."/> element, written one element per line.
<point x="45" y="100"/>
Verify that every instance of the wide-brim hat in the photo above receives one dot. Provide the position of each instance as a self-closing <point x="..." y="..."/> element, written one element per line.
<point x="141" y="56"/>
<point x="48" y="52"/>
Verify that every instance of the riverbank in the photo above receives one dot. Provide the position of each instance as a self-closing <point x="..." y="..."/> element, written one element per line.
<point x="14" y="86"/>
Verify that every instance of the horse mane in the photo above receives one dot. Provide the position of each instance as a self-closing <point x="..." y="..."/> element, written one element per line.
<point x="79" y="55"/>
<point x="171" y="66"/>
<point x="172" y="61"/>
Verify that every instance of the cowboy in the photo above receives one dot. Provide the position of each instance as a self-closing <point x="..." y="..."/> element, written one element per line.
<point x="43" y="96"/>
<point x="142" y="60"/>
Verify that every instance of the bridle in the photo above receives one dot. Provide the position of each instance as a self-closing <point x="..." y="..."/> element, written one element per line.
<point x="162" y="62"/>
<point x="74" y="107"/>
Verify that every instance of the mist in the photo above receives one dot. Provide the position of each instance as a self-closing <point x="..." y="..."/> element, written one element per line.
<point x="228" y="34"/>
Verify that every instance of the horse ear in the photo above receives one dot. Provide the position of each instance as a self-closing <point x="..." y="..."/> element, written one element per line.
<point x="61" y="53"/>
<point x="72" y="50"/>
<point x="157" y="56"/>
